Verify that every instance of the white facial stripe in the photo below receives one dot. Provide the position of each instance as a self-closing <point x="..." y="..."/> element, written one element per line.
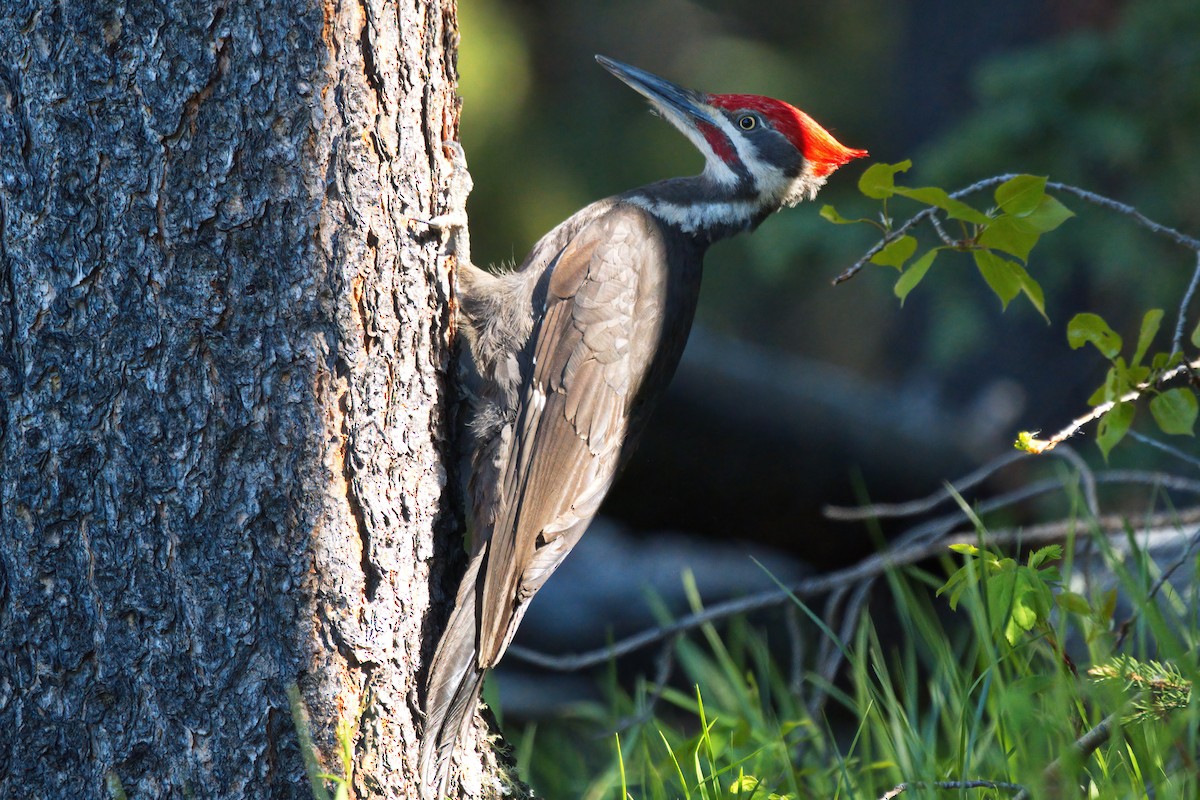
<point x="700" y="216"/>
<point x="774" y="188"/>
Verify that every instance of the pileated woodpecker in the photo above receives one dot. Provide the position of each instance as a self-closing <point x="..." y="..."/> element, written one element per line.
<point x="572" y="350"/>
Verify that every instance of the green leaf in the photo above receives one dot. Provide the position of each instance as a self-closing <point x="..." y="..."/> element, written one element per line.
<point x="1108" y="604"/>
<point x="1031" y="288"/>
<point x="999" y="274"/>
<point x="1051" y="552"/>
<point x="896" y="252"/>
<point x="1196" y="336"/>
<point x="1107" y="391"/>
<point x="830" y="213"/>
<point x="1074" y="603"/>
<point x="1030" y="604"/>
<point x="1021" y="195"/>
<point x="1049" y="215"/>
<point x="965" y="549"/>
<point x="913" y="275"/>
<point x="1113" y="426"/>
<point x="933" y="196"/>
<point x="879" y="180"/>
<point x="1150" y="324"/>
<point x="1162" y="361"/>
<point x="1010" y="235"/>
<point x="1086" y="327"/>
<point x="1128" y="377"/>
<point x="1175" y="411"/>
<point x="954" y="585"/>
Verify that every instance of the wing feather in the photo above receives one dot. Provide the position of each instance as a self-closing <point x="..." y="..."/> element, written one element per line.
<point x="572" y="418"/>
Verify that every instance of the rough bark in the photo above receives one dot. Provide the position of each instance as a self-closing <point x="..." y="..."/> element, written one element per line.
<point x="223" y="360"/>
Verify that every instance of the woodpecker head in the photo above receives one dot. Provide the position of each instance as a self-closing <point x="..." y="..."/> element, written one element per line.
<point x="764" y="152"/>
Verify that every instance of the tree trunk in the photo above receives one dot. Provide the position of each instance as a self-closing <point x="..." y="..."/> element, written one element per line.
<point x="224" y="358"/>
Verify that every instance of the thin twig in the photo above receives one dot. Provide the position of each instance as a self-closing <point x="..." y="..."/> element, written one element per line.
<point x="832" y="662"/>
<point x="945" y="237"/>
<point x="1164" y="479"/>
<point x="1127" y="624"/>
<point x="1083" y="747"/>
<point x="791" y="617"/>
<point x="664" y="666"/>
<point x="1183" y="559"/>
<point x="1166" y="448"/>
<point x="1086" y="476"/>
<point x="999" y="785"/>
<point x="1046" y="445"/>
<point x="921" y="505"/>
<point x="1174" y="235"/>
<point x="1181" y="322"/>
<point x="1178" y="237"/>
<point x="829" y="645"/>
<point x="962" y="485"/>
<point x="870" y="567"/>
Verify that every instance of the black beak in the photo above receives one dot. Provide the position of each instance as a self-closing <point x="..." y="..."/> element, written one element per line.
<point x="663" y="94"/>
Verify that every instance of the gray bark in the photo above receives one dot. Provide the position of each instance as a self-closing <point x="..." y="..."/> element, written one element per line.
<point x="224" y="350"/>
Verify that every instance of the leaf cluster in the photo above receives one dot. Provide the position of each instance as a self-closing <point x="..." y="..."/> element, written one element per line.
<point x="1174" y="410"/>
<point x="998" y="239"/>
<point x="1019" y="596"/>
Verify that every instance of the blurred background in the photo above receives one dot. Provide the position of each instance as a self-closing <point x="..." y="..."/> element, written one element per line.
<point x="795" y="394"/>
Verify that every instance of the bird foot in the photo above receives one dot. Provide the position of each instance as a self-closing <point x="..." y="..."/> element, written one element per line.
<point x="453" y="222"/>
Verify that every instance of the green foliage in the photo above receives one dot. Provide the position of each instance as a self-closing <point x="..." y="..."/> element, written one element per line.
<point x="1113" y="426"/>
<point x="916" y="271"/>
<point x="878" y="181"/>
<point x="1019" y="597"/>
<point x="1173" y="409"/>
<point x="1153" y="689"/>
<point x="993" y="700"/>
<point x="896" y="252"/>
<point x="999" y="240"/>
<point x="1092" y="329"/>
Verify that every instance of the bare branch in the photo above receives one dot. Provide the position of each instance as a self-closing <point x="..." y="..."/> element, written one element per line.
<point x="920" y="506"/>
<point x="941" y="232"/>
<point x="1127" y="624"/>
<point x="1084" y="746"/>
<point x="1178" y="237"/>
<point x="1166" y="448"/>
<point x="1163" y="479"/>
<point x="1181" y="321"/>
<point x="1087" y="477"/>
<point x="832" y="661"/>
<point x="1034" y="445"/>
<point x="870" y="567"/>
<point x="664" y="664"/>
<point x="962" y="485"/>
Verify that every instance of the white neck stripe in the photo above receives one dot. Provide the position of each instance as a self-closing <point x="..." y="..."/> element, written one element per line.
<point x="696" y="217"/>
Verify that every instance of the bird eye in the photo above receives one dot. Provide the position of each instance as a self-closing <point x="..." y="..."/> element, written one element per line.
<point x="748" y="122"/>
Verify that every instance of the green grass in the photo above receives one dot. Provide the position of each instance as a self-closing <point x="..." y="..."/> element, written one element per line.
<point x="947" y="696"/>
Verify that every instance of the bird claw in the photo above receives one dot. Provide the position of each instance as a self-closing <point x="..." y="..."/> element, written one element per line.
<point x="458" y="156"/>
<point x="457" y="186"/>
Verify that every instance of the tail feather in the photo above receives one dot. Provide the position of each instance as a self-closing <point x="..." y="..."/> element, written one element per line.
<point x="455" y="680"/>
